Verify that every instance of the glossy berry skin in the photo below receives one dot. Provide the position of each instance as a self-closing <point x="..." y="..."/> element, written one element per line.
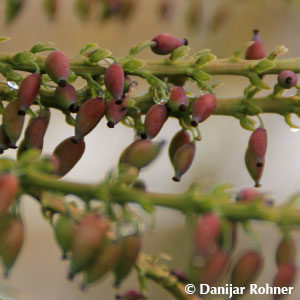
<point x="246" y="269"/>
<point x="88" y="116"/>
<point x="68" y="154"/>
<point x="114" y="80"/>
<point x="207" y="233"/>
<point x="178" y="99"/>
<point x="203" y="107"/>
<point x="248" y="195"/>
<point x="88" y="238"/>
<point x="183" y="160"/>
<point x="36" y="130"/>
<point x="257" y="49"/>
<point x="28" y="91"/>
<point x="13" y="122"/>
<point x="9" y="187"/>
<point x="286" y="252"/>
<point x="166" y="43"/>
<point x="155" y="119"/>
<point x="181" y="138"/>
<point x="140" y="153"/>
<point x="67" y="97"/>
<point x="287" y="79"/>
<point x="115" y="113"/>
<point x="285" y="277"/>
<point x="4" y="140"/>
<point x="254" y="167"/>
<point x="131" y="246"/>
<point x="11" y="240"/>
<point x="258" y="143"/>
<point x="57" y="66"/>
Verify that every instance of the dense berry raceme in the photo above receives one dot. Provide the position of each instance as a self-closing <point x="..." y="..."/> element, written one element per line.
<point x="257" y="49"/>
<point x="167" y="43"/>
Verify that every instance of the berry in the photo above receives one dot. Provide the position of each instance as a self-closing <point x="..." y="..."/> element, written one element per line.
<point x="68" y="154"/>
<point x="207" y="233"/>
<point x="131" y="246"/>
<point x="178" y="99"/>
<point x="166" y="43"/>
<point x="67" y="97"/>
<point x="254" y="167"/>
<point x="140" y="153"/>
<point x="155" y="118"/>
<point x="181" y="138"/>
<point x="248" y="195"/>
<point x="203" y="107"/>
<point x="88" y="116"/>
<point x="183" y="160"/>
<point x="115" y="113"/>
<point x="131" y="295"/>
<point x="114" y="80"/>
<point x="57" y="66"/>
<point x="257" y="49"/>
<point x="286" y="252"/>
<point x="88" y="238"/>
<point x="246" y="269"/>
<point x="13" y="122"/>
<point x="258" y="144"/>
<point x="287" y="79"/>
<point x="11" y="240"/>
<point x="9" y="187"/>
<point x="28" y="91"/>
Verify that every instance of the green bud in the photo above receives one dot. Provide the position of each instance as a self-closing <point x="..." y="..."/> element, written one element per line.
<point x="179" y="53"/>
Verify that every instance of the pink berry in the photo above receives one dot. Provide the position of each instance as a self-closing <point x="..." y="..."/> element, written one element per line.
<point x="287" y="79"/>
<point x="257" y="49"/>
<point x="178" y="99"/>
<point x="166" y="43"/>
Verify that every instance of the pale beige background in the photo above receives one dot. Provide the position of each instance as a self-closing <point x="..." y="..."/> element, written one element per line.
<point x="39" y="273"/>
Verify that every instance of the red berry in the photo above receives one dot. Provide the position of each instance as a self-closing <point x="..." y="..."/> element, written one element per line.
<point x="254" y="167"/>
<point x="9" y="187"/>
<point x="248" y="195"/>
<point x="68" y="153"/>
<point x="88" y="116"/>
<point x="57" y="67"/>
<point x="257" y="49"/>
<point x="203" y="107"/>
<point x="258" y="144"/>
<point x="114" y="80"/>
<point x="178" y="99"/>
<point x="287" y="79"/>
<point x="115" y="113"/>
<point x="286" y="252"/>
<point x="155" y="118"/>
<point x="167" y="43"/>
<point x="67" y="97"/>
<point x="28" y="91"/>
<point x="181" y="138"/>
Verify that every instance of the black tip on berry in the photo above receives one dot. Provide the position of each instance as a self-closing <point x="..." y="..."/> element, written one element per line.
<point x="288" y="80"/>
<point x="64" y="256"/>
<point x="194" y="123"/>
<point x="257" y="185"/>
<point x="21" y="112"/>
<point x="256" y="31"/>
<point x="74" y="108"/>
<point x="143" y="135"/>
<point x="118" y="102"/>
<point x="62" y="83"/>
<point x="260" y="164"/>
<point x="13" y="146"/>
<point x="185" y="42"/>
<point x="176" y="179"/>
<point x="182" y="108"/>
<point x="74" y="140"/>
<point x="110" y="124"/>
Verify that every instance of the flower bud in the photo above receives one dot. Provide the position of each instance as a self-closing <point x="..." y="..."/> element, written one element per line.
<point x="178" y="99"/>
<point x="13" y="122"/>
<point x="11" y="240"/>
<point x="115" y="113"/>
<point x="181" y="138"/>
<point x="246" y="269"/>
<point x="9" y="187"/>
<point x="131" y="246"/>
<point x="88" y="116"/>
<point x="67" y="97"/>
<point x="203" y="107"/>
<point x="166" y="43"/>
<point x="4" y="140"/>
<point x="207" y="233"/>
<point x="131" y="295"/>
<point x="57" y="66"/>
<point x="183" y="160"/>
<point x="114" y="80"/>
<point x="287" y="79"/>
<point x="88" y="238"/>
<point x="254" y="168"/>
<point x="257" y="49"/>
<point x="248" y="195"/>
<point x="68" y="154"/>
<point x="104" y="262"/>
<point x="36" y="130"/>
<point x="140" y="153"/>
<point x="63" y="230"/>
<point x="285" y="277"/>
<point x="286" y="252"/>
<point x="28" y="91"/>
<point x="258" y="144"/>
<point x="155" y="118"/>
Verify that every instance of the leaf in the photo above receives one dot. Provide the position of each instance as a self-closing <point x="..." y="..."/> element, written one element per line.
<point x="264" y="65"/>
<point x="154" y="81"/>
<point x="200" y="75"/>
<point x="87" y="47"/>
<point x="138" y="48"/>
<point x="23" y="57"/>
<point x="99" y="55"/>
<point x="48" y="46"/>
<point x="239" y="52"/>
<point x="288" y="120"/>
<point x="201" y="53"/>
<point x="202" y="60"/>
<point x="255" y="80"/>
<point x="9" y="73"/>
<point x="132" y="64"/>
<point x="4" y="39"/>
<point x="179" y="53"/>
<point x="247" y="123"/>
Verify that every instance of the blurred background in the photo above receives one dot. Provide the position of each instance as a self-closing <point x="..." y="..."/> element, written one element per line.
<point x="222" y="26"/>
